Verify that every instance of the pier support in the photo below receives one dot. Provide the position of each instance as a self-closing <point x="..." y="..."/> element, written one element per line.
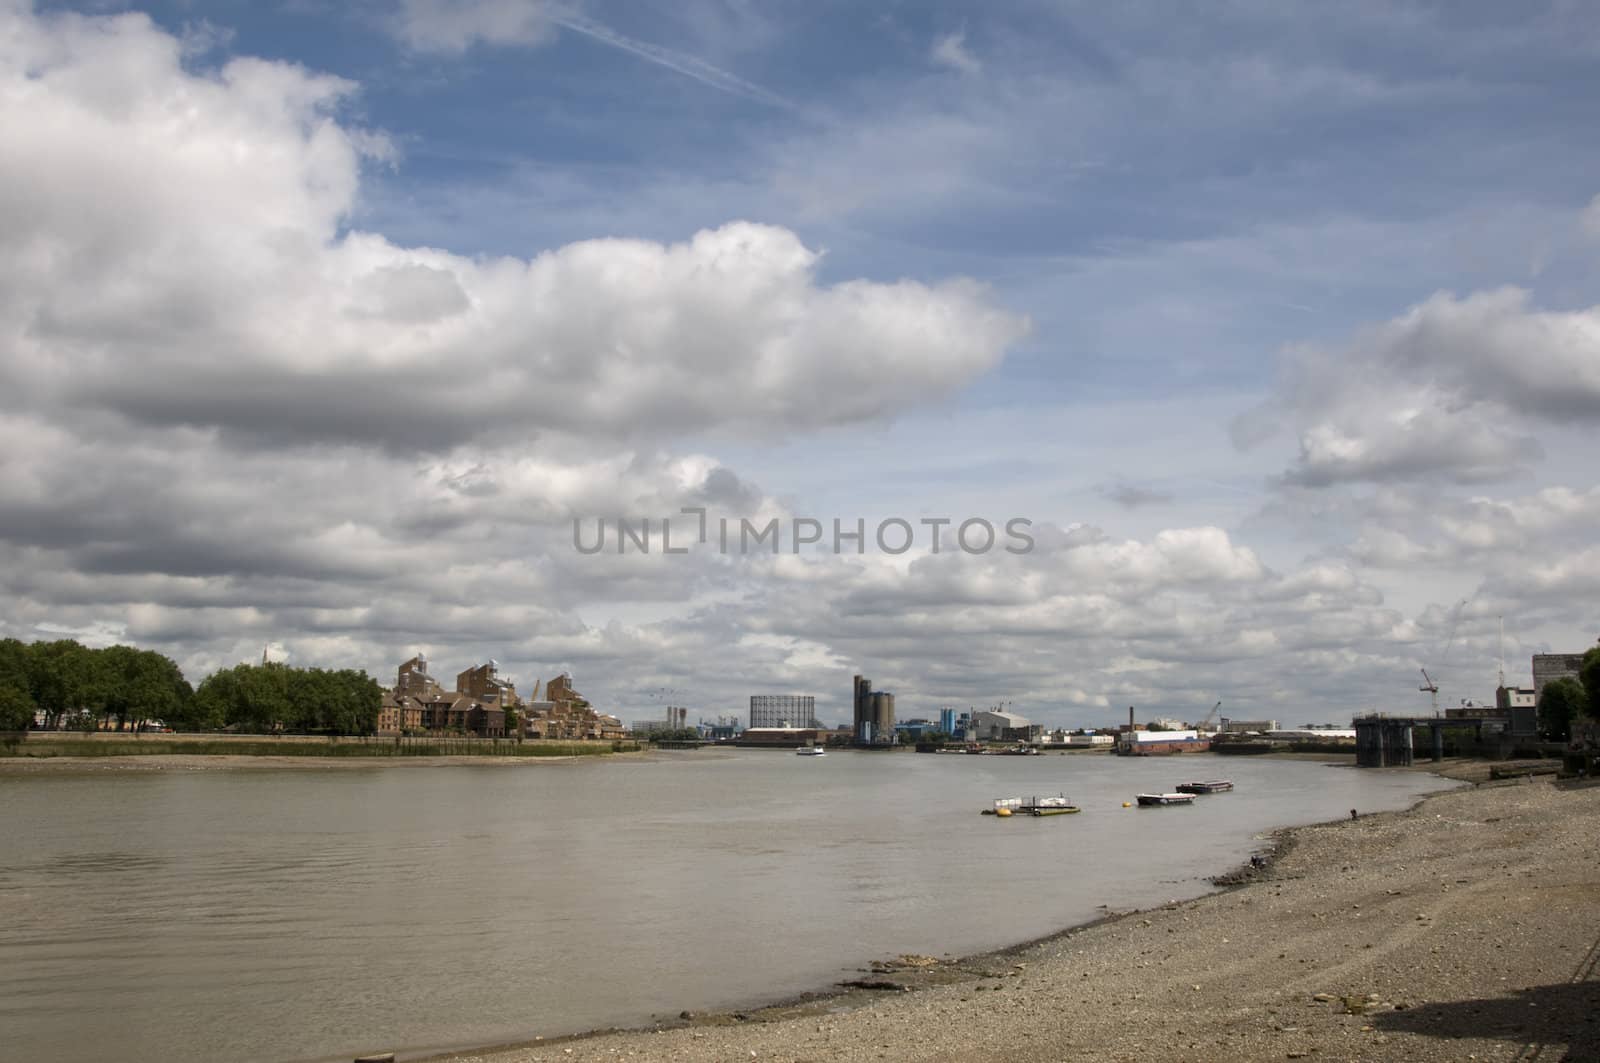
<point x="1384" y="742"/>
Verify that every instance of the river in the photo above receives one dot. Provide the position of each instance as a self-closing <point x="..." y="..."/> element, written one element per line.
<point x="298" y="915"/>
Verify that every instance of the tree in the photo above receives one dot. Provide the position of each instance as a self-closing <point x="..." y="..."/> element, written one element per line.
<point x="139" y="685"/>
<point x="1589" y="676"/>
<point x="16" y="701"/>
<point x="249" y="697"/>
<point x="16" y="709"/>
<point x="1561" y="702"/>
<point x="63" y="679"/>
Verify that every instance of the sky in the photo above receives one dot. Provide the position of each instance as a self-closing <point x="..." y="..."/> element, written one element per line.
<point x="335" y="331"/>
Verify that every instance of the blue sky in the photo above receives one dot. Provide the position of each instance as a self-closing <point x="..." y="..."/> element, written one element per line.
<point x="1296" y="274"/>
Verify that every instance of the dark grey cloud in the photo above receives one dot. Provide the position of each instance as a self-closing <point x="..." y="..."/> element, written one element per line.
<point x="1132" y="496"/>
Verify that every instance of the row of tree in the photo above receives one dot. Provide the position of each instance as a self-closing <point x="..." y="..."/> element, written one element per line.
<point x="120" y="687"/>
<point x="1565" y="701"/>
<point x="274" y="697"/>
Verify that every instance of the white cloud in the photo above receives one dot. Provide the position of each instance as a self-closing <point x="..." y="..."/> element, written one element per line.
<point x="212" y="285"/>
<point x="229" y="416"/>
<point x="1589" y="218"/>
<point x="452" y="26"/>
<point x="1453" y="389"/>
<point x="951" y="51"/>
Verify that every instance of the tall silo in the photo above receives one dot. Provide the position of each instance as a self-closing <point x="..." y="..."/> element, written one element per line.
<point x="882" y="717"/>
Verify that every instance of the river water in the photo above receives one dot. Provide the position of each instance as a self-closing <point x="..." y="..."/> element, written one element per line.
<point x="178" y="916"/>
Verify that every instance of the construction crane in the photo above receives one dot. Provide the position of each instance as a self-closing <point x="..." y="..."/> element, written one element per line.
<point x="1432" y="688"/>
<point x="1204" y="723"/>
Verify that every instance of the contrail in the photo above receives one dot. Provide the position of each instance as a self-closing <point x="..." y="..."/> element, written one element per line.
<point x="687" y="65"/>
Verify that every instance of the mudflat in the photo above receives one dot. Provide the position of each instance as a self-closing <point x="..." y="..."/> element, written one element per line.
<point x="1465" y="928"/>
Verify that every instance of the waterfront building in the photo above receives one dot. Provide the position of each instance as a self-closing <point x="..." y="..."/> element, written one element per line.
<point x="418" y="703"/>
<point x="873" y="724"/>
<point x="1243" y="726"/>
<point x="413" y="681"/>
<point x="912" y="730"/>
<point x="399" y="713"/>
<point x="483" y="683"/>
<point x="782" y="737"/>
<point x="947" y="720"/>
<point x="567" y="715"/>
<point x="783" y="710"/>
<point x="992" y="725"/>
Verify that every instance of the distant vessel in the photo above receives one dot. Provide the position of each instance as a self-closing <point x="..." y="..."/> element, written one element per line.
<point x="812" y="751"/>
<point x="1210" y="786"/>
<point x="1165" y="799"/>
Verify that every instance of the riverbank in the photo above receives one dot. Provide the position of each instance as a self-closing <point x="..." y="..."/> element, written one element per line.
<point x="1463" y="928"/>
<point x="66" y="751"/>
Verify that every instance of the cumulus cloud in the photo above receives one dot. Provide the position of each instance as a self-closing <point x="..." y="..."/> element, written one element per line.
<point x="229" y="419"/>
<point x="212" y="284"/>
<point x="1454" y="388"/>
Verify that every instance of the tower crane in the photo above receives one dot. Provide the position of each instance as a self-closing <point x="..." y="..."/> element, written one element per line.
<point x="1432" y="688"/>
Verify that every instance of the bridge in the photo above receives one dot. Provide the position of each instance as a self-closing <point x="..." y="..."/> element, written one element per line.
<point x="1384" y="741"/>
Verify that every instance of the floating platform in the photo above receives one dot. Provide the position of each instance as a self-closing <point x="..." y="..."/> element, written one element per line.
<point x="1210" y="786"/>
<point x="1166" y="799"/>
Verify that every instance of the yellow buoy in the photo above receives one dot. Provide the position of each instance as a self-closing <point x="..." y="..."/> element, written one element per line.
<point x="1002" y="812"/>
<point x="1127" y="804"/>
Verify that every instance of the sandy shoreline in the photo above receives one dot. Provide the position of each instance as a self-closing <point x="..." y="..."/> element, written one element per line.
<point x="1463" y="928"/>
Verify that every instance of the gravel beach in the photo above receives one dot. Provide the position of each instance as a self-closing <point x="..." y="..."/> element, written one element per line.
<point x="1466" y="928"/>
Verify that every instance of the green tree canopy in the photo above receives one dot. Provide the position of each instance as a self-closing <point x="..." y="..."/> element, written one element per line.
<point x="1589" y="676"/>
<point x="140" y="685"/>
<point x="1560" y="703"/>
<point x="64" y="679"/>
<point x="249" y="697"/>
<point x="16" y="698"/>
<point x="270" y="697"/>
<point x="16" y="709"/>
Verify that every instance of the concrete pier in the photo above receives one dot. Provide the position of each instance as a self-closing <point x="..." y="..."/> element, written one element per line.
<point x="1384" y="741"/>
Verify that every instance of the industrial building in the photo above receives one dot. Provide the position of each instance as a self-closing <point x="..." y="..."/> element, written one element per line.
<point x="1247" y="726"/>
<point x="783" y="710"/>
<point x="873" y="723"/>
<point x="1548" y="667"/>
<point x="992" y="725"/>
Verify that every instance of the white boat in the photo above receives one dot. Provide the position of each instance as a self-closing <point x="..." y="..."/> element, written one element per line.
<point x="811" y="751"/>
<point x="1166" y="799"/>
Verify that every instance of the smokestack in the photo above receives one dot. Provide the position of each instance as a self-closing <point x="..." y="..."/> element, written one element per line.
<point x="1130" y="717"/>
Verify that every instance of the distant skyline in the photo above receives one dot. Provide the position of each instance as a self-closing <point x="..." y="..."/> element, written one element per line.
<point x="321" y="324"/>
